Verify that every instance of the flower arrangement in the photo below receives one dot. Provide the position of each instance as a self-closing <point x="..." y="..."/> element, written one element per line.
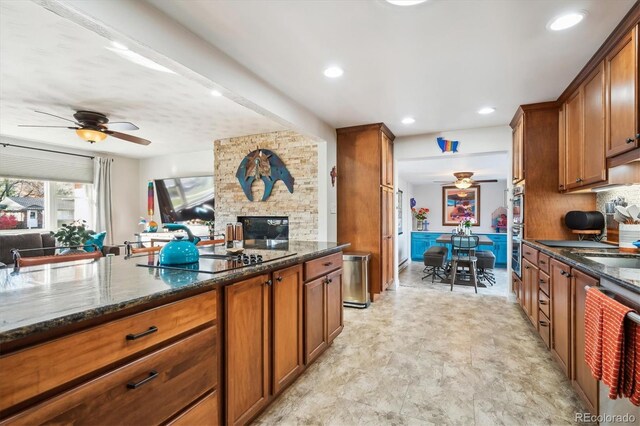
<point x="467" y="222"/>
<point x="420" y="214"/>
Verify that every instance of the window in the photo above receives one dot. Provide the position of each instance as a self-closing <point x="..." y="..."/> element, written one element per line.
<point x="37" y="204"/>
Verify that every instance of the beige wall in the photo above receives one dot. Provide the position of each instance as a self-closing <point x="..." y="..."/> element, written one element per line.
<point x="300" y="155"/>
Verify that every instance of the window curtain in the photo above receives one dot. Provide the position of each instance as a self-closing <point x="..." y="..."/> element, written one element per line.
<point x="103" y="220"/>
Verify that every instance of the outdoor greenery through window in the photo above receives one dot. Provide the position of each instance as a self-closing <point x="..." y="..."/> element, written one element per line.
<point x="35" y="204"/>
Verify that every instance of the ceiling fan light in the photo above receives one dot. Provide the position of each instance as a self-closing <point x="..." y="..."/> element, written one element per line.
<point x="462" y="184"/>
<point x="91" y="135"/>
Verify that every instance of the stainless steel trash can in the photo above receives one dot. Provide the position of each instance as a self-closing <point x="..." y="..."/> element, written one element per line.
<point x="356" y="279"/>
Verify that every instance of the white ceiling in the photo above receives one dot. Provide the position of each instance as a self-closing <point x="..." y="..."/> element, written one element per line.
<point x="51" y="64"/>
<point x="439" y="61"/>
<point x="494" y="165"/>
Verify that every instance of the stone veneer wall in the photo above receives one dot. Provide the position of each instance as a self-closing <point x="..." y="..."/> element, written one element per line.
<point x="299" y="153"/>
<point x="631" y="195"/>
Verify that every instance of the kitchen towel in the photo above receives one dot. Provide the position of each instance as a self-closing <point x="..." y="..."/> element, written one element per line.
<point x="613" y="339"/>
<point x="631" y="385"/>
<point x="593" y="331"/>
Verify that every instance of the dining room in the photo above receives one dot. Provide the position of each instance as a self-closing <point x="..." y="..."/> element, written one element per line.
<point x="453" y="212"/>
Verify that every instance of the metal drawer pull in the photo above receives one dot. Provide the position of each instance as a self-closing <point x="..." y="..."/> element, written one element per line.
<point x="327" y="264"/>
<point x="543" y="262"/>
<point x="279" y="279"/>
<point x="631" y="140"/>
<point x="152" y="375"/>
<point x="330" y="280"/>
<point x="544" y="323"/>
<point x="543" y="302"/>
<point x="151" y="330"/>
<point x="542" y="281"/>
<point x="269" y="282"/>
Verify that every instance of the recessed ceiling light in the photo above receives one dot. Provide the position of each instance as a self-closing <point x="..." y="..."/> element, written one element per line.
<point x="408" y="120"/>
<point x="216" y="93"/>
<point x="566" y="21"/>
<point x="139" y="59"/>
<point x="486" y="110"/>
<point x="119" y="45"/>
<point x="333" y="72"/>
<point x="405" y="2"/>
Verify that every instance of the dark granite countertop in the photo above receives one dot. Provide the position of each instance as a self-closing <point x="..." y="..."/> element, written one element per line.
<point x="628" y="278"/>
<point x="40" y="298"/>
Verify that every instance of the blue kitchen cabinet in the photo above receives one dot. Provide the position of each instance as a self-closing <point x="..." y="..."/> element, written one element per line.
<point x="421" y="241"/>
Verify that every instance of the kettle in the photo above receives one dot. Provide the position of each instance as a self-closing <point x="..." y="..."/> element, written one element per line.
<point x="180" y="251"/>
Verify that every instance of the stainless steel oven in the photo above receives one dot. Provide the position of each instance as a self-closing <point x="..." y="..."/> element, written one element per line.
<point x="517" y="205"/>
<point x="517" y="232"/>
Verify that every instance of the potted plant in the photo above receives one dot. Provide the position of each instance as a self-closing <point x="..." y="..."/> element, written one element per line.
<point x="73" y="236"/>
<point x="421" y="216"/>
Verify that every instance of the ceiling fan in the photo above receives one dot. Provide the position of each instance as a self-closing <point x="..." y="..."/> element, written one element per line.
<point x="95" y="127"/>
<point x="464" y="181"/>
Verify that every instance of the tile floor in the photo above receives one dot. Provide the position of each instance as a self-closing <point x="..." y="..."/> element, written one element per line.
<point x="422" y="356"/>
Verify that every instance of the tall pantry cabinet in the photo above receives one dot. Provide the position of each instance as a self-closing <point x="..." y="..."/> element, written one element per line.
<point x="366" y="198"/>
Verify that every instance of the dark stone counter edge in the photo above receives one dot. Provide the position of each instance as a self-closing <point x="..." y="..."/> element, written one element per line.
<point x="217" y="280"/>
<point x="594" y="270"/>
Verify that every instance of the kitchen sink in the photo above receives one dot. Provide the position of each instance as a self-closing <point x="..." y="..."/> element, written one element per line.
<point x="615" y="260"/>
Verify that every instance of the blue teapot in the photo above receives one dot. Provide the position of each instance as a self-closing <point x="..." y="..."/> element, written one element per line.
<point x="180" y="251"/>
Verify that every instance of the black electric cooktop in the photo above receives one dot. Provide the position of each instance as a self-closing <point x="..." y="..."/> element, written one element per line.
<point x="216" y="259"/>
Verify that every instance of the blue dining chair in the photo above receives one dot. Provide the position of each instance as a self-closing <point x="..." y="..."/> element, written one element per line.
<point x="463" y="254"/>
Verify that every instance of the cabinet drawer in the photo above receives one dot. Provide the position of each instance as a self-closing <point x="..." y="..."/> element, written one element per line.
<point x="543" y="262"/>
<point x="530" y="254"/>
<point x="543" y="303"/>
<point x="29" y="372"/>
<point x="205" y="412"/>
<point x="544" y="328"/>
<point x="322" y="266"/>
<point x="543" y="283"/>
<point x="146" y="391"/>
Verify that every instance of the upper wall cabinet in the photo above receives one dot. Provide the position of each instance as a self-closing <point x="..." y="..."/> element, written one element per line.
<point x="518" y="151"/>
<point x="582" y="152"/>
<point x="622" y="127"/>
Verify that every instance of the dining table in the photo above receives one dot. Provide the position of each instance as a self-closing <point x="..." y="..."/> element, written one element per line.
<point x="483" y="240"/>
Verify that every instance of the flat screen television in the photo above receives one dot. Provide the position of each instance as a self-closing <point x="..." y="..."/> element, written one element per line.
<point x="185" y="198"/>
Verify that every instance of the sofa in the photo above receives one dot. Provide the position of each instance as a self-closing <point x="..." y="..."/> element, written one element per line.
<point x="44" y="242"/>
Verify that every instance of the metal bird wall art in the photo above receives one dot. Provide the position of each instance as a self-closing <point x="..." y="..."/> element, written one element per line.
<point x="264" y="165"/>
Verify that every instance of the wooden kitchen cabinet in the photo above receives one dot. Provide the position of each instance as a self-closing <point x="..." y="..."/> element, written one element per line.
<point x="581" y="154"/>
<point x="247" y="348"/>
<point x="561" y="306"/>
<point x="530" y="282"/>
<point x="581" y="378"/>
<point x="621" y="72"/>
<point x="287" y="326"/>
<point x="573" y="140"/>
<point x="387" y="237"/>
<point x="518" y="151"/>
<point x="562" y="151"/>
<point x="334" y="305"/>
<point x="315" y="306"/>
<point x="594" y="164"/>
<point x="365" y="195"/>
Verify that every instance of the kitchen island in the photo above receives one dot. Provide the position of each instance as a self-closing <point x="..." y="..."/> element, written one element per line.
<point x="162" y="345"/>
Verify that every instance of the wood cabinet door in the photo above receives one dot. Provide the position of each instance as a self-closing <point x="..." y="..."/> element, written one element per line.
<point x="582" y="380"/>
<point x="386" y="241"/>
<point x="246" y="324"/>
<point x="573" y="119"/>
<point x="530" y="279"/>
<point x="287" y="326"/>
<point x="518" y="151"/>
<point x="334" y="305"/>
<point x="386" y="166"/>
<point x="594" y="167"/>
<point x="562" y="152"/>
<point x="561" y="314"/>
<point x="622" y="96"/>
<point x="315" y="324"/>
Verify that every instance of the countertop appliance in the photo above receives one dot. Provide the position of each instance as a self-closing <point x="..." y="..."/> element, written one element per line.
<point x="216" y="259"/>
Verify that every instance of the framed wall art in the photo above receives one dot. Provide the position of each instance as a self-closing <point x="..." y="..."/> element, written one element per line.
<point x="460" y="204"/>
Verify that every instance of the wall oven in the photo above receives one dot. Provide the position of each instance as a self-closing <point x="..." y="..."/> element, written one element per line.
<point x="517" y="205"/>
<point x="516" y="249"/>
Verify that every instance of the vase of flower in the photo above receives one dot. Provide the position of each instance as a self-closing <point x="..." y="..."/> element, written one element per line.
<point x="421" y="217"/>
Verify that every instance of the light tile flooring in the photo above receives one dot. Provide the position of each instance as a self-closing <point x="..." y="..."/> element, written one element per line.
<point x="423" y="355"/>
